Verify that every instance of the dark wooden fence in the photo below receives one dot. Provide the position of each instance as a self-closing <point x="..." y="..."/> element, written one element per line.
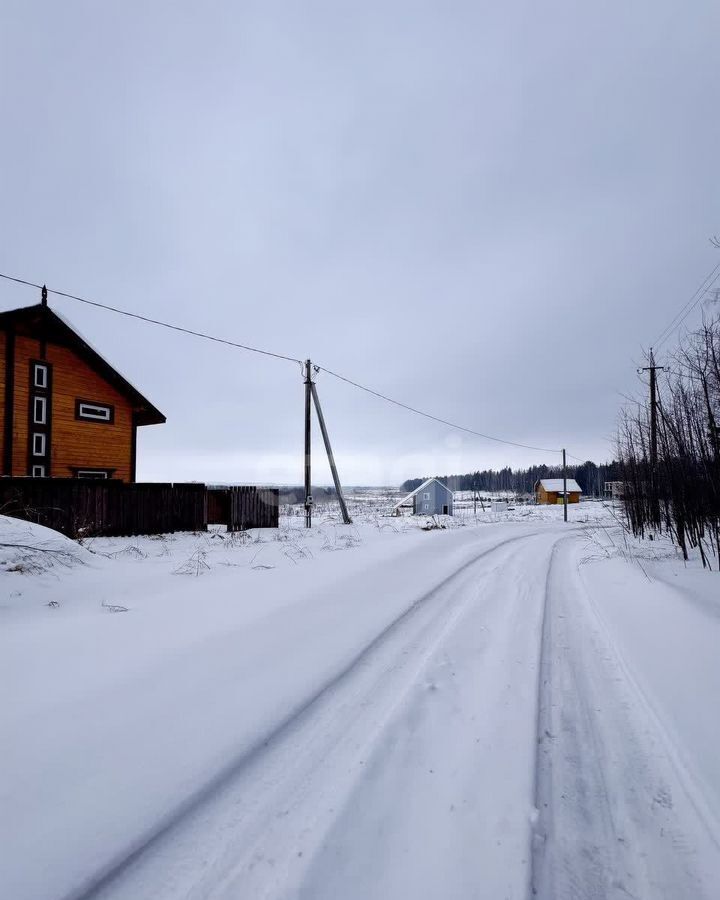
<point x="78" y="507"/>
<point x="253" y="507"/>
<point x="218" y="506"/>
<point x="243" y="507"/>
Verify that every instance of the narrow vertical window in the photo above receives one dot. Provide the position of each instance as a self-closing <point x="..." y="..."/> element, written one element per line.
<point x="40" y="410"/>
<point x="39" y="443"/>
<point x="40" y="375"/>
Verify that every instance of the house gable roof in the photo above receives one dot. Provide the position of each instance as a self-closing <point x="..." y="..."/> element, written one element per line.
<point x="41" y="321"/>
<point x="555" y="485"/>
<point x="420" y="488"/>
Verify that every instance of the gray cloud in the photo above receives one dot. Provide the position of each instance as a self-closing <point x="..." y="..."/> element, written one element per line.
<point x="484" y="210"/>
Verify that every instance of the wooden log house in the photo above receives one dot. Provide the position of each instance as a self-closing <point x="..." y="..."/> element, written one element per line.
<point x="549" y="491"/>
<point x="66" y="412"/>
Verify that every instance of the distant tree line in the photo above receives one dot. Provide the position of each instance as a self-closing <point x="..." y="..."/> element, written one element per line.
<point x="679" y="491"/>
<point x="589" y="475"/>
<point x="289" y="494"/>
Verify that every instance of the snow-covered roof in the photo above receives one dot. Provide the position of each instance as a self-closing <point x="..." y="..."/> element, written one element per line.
<point x="556" y="484"/>
<point x="419" y="488"/>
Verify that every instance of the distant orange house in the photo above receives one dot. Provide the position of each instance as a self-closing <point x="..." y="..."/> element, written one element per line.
<point x="66" y="412"/>
<point x="550" y="490"/>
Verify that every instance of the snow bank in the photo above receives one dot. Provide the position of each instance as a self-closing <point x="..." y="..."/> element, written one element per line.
<point x="29" y="549"/>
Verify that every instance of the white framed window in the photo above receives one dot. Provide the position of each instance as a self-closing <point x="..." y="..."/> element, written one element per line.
<point x="427" y="506"/>
<point x="92" y="473"/>
<point x="40" y="375"/>
<point x="38" y="471"/>
<point x="40" y="410"/>
<point x="426" y="497"/>
<point x="39" y="443"/>
<point x="94" y="412"/>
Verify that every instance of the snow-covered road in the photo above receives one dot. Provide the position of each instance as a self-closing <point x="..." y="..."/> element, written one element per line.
<point x="418" y="753"/>
<point x="450" y="721"/>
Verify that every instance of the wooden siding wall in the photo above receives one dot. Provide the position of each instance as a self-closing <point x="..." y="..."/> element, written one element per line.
<point x="78" y="507"/>
<point x="550" y="498"/>
<point x="75" y="443"/>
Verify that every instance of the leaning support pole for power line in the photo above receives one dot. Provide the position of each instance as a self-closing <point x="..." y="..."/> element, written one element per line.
<point x="331" y="459"/>
<point x="308" y="482"/>
<point x="564" y="488"/>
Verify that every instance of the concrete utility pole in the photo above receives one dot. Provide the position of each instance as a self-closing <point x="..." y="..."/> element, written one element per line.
<point x="652" y="369"/>
<point x="331" y="459"/>
<point x="564" y="487"/>
<point x="308" y="449"/>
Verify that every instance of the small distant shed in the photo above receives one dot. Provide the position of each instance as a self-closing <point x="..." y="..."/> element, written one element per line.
<point x="431" y="498"/>
<point x="550" y="491"/>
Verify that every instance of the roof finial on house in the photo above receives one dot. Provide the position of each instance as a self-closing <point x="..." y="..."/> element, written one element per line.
<point x="43" y="295"/>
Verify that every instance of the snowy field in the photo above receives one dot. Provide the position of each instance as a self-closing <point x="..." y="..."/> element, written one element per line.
<point x="504" y="707"/>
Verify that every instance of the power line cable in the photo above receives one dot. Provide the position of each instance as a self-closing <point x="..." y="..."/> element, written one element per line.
<point x="698" y="291"/>
<point x="680" y="317"/>
<point x="572" y="456"/>
<point x="229" y="343"/>
<point x="426" y="415"/>
<point x="131" y="315"/>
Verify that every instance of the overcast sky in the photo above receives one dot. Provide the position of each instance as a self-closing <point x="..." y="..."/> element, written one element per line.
<point x="483" y="209"/>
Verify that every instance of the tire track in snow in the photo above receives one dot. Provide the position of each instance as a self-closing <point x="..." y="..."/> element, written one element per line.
<point x="615" y="821"/>
<point x="421" y="615"/>
<point x="445" y="809"/>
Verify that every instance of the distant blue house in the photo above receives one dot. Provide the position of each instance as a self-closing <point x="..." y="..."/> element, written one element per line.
<point x="431" y="498"/>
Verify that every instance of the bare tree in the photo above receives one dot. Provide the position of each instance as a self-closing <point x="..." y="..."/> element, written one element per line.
<point x="682" y="495"/>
